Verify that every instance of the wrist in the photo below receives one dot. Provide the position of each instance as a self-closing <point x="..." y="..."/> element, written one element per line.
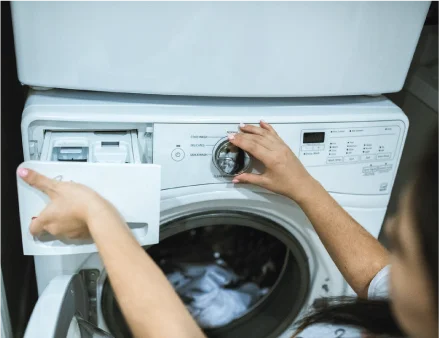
<point x="306" y="191"/>
<point x="99" y="211"/>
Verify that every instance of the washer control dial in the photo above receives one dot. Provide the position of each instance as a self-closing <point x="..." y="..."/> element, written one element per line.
<point x="229" y="159"/>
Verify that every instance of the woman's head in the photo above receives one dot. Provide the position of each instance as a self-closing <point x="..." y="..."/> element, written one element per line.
<point x="413" y="236"/>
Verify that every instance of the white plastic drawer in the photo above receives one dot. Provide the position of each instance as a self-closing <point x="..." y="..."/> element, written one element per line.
<point x="117" y="174"/>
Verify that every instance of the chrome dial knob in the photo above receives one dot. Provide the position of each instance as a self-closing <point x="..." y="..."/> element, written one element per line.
<point x="229" y="159"/>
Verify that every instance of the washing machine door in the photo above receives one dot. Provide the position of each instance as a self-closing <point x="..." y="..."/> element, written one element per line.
<point x="62" y="311"/>
<point x="120" y="183"/>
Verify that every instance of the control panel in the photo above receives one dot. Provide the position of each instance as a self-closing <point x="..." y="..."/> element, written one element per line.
<point x="345" y="157"/>
<point x="359" y="158"/>
<point x="343" y="146"/>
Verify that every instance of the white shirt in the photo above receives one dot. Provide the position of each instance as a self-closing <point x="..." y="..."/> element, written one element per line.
<point x="378" y="288"/>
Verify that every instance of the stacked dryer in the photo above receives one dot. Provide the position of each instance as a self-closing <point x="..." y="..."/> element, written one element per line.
<point x="148" y="89"/>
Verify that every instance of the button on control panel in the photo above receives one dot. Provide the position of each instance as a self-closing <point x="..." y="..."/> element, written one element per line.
<point x="349" y="145"/>
<point x="349" y="159"/>
<point x="177" y="154"/>
<point x="386" y="156"/>
<point x="332" y="160"/>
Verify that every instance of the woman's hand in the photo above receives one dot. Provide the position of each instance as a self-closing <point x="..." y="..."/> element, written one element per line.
<point x="284" y="173"/>
<point x="71" y="208"/>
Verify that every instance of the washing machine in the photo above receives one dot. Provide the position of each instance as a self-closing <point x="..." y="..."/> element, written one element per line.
<point x="5" y="324"/>
<point x="351" y="145"/>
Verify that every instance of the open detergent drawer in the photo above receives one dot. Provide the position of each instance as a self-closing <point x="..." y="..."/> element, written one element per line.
<point x="109" y="163"/>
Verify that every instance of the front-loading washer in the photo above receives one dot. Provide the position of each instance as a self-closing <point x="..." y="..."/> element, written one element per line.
<point x="5" y="324"/>
<point x="352" y="146"/>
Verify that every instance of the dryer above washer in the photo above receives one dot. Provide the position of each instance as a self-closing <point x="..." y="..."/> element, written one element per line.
<point x="230" y="49"/>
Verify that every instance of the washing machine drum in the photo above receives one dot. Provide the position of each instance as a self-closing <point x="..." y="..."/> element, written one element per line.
<point x="240" y="275"/>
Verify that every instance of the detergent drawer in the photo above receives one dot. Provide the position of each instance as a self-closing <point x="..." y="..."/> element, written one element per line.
<point x="110" y="164"/>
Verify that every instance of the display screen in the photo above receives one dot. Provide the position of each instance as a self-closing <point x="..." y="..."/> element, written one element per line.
<point x="318" y="137"/>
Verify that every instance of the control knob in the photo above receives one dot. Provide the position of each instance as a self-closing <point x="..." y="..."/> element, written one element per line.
<point x="229" y="159"/>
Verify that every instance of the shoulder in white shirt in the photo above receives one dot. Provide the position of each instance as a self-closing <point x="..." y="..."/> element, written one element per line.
<point x="378" y="288"/>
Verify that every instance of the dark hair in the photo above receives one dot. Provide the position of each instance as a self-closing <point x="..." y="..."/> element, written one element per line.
<point x="375" y="316"/>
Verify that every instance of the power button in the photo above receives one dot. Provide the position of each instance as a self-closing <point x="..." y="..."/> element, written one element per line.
<point x="177" y="154"/>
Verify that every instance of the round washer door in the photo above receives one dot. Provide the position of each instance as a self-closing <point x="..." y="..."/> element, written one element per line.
<point x="62" y="310"/>
<point x="63" y="299"/>
<point x="275" y="312"/>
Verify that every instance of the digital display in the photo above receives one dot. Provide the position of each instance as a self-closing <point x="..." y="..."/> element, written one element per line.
<point x="318" y="137"/>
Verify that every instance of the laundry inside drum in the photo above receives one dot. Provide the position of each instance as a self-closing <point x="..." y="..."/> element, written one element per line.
<point x="226" y="275"/>
<point x="221" y="273"/>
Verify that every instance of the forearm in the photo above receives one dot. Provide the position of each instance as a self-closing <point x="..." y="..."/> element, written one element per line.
<point x="357" y="254"/>
<point x="148" y="302"/>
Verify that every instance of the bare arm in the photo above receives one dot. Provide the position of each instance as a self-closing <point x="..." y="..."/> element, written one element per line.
<point x="148" y="302"/>
<point x="357" y="254"/>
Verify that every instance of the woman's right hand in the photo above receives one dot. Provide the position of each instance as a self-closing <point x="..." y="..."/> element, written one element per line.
<point x="284" y="173"/>
<point x="72" y="208"/>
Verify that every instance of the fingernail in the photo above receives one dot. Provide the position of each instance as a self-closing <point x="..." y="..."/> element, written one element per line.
<point x="263" y="121"/>
<point x="22" y="172"/>
<point x="231" y="136"/>
<point x="241" y="125"/>
<point x="235" y="180"/>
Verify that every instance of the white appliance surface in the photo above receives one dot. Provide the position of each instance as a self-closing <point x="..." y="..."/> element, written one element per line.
<point x="5" y="323"/>
<point x="352" y="145"/>
<point x="240" y="49"/>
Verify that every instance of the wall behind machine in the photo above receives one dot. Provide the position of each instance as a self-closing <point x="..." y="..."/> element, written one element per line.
<point x="18" y="270"/>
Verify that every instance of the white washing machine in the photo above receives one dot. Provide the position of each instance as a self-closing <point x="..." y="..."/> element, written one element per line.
<point x="351" y="145"/>
<point x="5" y="324"/>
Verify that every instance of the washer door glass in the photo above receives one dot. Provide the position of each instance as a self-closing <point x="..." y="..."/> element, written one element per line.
<point x="239" y="275"/>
